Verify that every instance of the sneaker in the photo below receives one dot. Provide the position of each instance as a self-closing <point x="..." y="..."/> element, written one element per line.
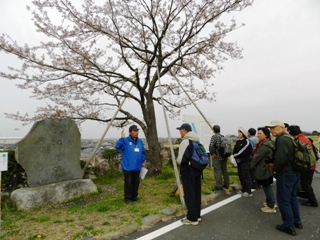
<point x="288" y="230"/>
<point x="309" y="204"/>
<point x="268" y="210"/>
<point x="265" y="204"/>
<point x="199" y="219"/>
<point x="186" y="221"/>
<point x="218" y="191"/>
<point x="227" y="191"/>
<point x="239" y="192"/>
<point x="127" y="201"/>
<point x="245" y="194"/>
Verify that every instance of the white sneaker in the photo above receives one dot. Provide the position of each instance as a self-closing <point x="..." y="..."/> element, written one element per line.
<point x="239" y="192"/>
<point x="186" y="221"/>
<point x="268" y="210"/>
<point x="245" y="194"/>
<point x="265" y="204"/>
<point x="199" y="219"/>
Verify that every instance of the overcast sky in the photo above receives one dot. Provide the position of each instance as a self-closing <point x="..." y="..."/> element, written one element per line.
<point x="278" y="77"/>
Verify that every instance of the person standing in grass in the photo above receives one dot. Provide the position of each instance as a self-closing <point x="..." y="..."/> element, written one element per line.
<point x="133" y="157"/>
<point x="191" y="177"/>
<point x="220" y="170"/>
<point x="262" y="155"/>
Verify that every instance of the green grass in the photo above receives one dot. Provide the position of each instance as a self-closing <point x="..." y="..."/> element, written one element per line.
<point x="42" y="219"/>
<point x="98" y="214"/>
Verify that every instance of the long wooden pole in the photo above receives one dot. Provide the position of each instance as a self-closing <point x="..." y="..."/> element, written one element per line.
<point x="191" y="99"/>
<point x="170" y="142"/>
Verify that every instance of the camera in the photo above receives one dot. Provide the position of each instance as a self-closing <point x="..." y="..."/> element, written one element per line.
<point x="269" y="159"/>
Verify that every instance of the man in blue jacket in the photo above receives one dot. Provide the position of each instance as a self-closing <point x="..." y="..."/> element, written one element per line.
<point x="133" y="156"/>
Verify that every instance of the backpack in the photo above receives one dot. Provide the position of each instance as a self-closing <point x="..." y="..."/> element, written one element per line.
<point x="225" y="148"/>
<point x="304" y="157"/>
<point x="315" y="150"/>
<point x="251" y="143"/>
<point x="199" y="158"/>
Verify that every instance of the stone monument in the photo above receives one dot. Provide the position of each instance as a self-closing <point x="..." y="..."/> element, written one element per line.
<point x="50" y="155"/>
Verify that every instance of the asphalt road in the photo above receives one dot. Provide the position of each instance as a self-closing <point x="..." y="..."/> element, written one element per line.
<point x="235" y="217"/>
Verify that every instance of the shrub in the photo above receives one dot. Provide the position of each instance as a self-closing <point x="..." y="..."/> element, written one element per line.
<point x="15" y="177"/>
<point x="112" y="156"/>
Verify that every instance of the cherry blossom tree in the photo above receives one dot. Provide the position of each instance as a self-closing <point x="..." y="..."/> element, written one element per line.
<point x="93" y="54"/>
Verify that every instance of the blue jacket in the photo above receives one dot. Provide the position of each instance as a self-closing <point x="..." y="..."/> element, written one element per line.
<point x="133" y="153"/>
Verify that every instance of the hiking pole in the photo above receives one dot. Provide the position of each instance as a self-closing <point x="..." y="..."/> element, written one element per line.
<point x="170" y="141"/>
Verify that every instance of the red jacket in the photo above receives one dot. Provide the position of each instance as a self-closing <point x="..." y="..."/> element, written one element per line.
<point x="304" y="139"/>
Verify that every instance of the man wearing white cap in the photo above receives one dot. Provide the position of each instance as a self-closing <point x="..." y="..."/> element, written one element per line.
<point x="287" y="180"/>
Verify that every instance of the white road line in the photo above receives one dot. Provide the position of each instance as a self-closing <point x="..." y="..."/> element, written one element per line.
<point x="178" y="223"/>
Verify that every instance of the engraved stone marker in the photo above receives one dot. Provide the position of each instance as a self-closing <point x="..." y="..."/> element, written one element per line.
<point x="50" y="152"/>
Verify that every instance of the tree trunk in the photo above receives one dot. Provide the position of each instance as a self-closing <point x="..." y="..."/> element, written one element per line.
<point x="153" y="154"/>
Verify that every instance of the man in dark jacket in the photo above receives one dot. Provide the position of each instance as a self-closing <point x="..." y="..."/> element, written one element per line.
<point x="133" y="156"/>
<point x="287" y="180"/>
<point x="191" y="177"/>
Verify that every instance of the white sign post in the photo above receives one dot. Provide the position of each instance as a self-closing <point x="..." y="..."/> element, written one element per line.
<point x="3" y="167"/>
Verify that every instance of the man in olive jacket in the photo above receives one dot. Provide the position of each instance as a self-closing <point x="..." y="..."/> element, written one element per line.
<point x="287" y="180"/>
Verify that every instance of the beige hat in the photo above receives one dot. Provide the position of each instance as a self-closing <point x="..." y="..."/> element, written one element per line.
<point x="244" y="132"/>
<point x="275" y="123"/>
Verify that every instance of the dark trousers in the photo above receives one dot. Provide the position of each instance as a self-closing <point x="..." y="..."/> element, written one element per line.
<point x="244" y="173"/>
<point x="306" y="181"/>
<point x="131" y="184"/>
<point x="192" y="195"/>
<point x="255" y="184"/>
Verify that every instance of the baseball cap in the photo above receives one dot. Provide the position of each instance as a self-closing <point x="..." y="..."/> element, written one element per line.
<point x="133" y="128"/>
<point x="275" y="123"/>
<point x="185" y="126"/>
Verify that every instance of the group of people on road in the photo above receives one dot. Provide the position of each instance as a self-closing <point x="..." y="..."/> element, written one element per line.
<point x="259" y="160"/>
